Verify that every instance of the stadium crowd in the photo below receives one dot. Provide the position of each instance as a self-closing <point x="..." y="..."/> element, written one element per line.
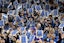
<point x="31" y="21"/>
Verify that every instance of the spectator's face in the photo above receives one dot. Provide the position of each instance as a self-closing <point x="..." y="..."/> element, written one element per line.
<point x="48" y="35"/>
<point x="14" y="39"/>
<point x="51" y="41"/>
<point x="32" y="30"/>
<point x="13" y="27"/>
<point x="10" y="24"/>
<point x="21" y="14"/>
<point x="35" y="17"/>
<point x="49" y="25"/>
<point x="57" y="20"/>
<point x="48" y="21"/>
<point x="56" y="23"/>
<point x="18" y="28"/>
<point x="38" y="25"/>
<point x="45" y="20"/>
<point x="38" y="19"/>
<point x="56" y="28"/>
<point x="5" y="35"/>
<point x="30" y="19"/>
<point x="50" y="16"/>
<point x="2" y="41"/>
<point x="22" y="20"/>
<point x="42" y="20"/>
<point x="62" y="36"/>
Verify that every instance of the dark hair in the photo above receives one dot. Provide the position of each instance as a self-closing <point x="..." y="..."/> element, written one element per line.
<point x="32" y="2"/>
<point x="19" y="14"/>
<point x="10" y="18"/>
<point x="12" y="0"/>
<point x="15" y="26"/>
<point x="55" y="18"/>
<point x="15" y="37"/>
<point x="63" y="28"/>
<point x="0" y="30"/>
<point x="46" y="31"/>
<point x="2" y="37"/>
<point x="50" y="15"/>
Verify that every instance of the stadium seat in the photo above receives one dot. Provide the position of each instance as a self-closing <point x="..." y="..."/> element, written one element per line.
<point x="1" y="23"/>
<point x="5" y="17"/>
<point x="47" y="7"/>
<point x="43" y="13"/>
<point x="38" y="7"/>
<point x="30" y="10"/>
<point x="11" y="12"/>
<point x="19" y="8"/>
<point x="39" y="33"/>
<point x="33" y="6"/>
<point x="23" y="30"/>
<point x="27" y="5"/>
<point x="15" y="3"/>
<point x="61" y="25"/>
<point x="14" y="32"/>
<point x="24" y="39"/>
<point x="31" y="38"/>
<point x="55" y="12"/>
<point x="36" y="1"/>
<point x="46" y="13"/>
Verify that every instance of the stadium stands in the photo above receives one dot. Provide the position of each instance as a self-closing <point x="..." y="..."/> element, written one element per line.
<point x="31" y="21"/>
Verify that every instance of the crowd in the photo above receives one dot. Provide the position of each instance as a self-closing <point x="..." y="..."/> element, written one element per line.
<point x="31" y="21"/>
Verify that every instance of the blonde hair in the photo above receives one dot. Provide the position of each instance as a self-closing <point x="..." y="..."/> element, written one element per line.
<point x="18" y="41"/>
<point x="51" y="30"/>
